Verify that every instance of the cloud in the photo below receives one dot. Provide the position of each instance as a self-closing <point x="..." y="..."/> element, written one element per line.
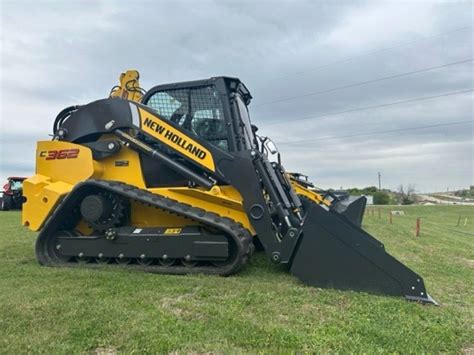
<point x="362" y="28"/>
<point x="56" y="54"/>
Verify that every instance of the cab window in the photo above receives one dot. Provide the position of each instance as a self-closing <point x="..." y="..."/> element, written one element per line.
<point x="198" y="110"/>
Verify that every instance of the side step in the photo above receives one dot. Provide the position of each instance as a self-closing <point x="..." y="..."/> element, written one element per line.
<point x="333" y="252"/>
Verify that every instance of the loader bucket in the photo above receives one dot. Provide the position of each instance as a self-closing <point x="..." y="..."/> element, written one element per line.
<point x="352" y="208"/>
<point x="333" y="252"/>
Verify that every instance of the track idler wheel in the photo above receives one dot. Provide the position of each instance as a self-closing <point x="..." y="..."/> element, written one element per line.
<point x="121" y="260"/>
<point x="187" y="262"/>
<point x="143" y="260"/>
<point x="166" y="261"/>
<point x="55" y="246"/>
<point x="81" y="259"/>
<point x="100" y="259"/>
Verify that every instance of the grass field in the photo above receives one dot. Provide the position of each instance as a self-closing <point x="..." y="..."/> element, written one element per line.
<point x="262" y="309"/>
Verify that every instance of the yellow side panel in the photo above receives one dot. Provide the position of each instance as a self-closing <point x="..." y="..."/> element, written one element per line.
<point x="42" y="195"/>
<point x="59" y="166"/>
<point x="63" y="161"/>
<point x="223" y="200"/>
<point x="144" y="216"/>
<point x="123" y="166"/>
<point x="174" y="138"/>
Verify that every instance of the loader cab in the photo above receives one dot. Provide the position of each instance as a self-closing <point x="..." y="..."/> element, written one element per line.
<point x="214" y="109"/>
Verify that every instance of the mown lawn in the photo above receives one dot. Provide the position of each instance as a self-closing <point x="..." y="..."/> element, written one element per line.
<point x="262" y="309"/>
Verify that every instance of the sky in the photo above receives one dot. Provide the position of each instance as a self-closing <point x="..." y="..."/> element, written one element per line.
<point x="325" y="77"/>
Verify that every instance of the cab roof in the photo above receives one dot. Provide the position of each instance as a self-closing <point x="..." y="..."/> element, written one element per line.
<point x="18" y="178"/>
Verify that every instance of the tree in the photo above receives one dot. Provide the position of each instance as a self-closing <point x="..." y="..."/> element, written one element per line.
<point x="370" y="190"/>
<point x="405" y="195"/>
<point x="354" y="191"/>
<point x="381" y="198"/>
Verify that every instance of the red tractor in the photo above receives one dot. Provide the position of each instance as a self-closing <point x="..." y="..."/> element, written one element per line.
<point x="12" y="194"/>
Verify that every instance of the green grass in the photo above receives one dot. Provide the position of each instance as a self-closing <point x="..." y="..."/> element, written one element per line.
<point x="262" y="309"/>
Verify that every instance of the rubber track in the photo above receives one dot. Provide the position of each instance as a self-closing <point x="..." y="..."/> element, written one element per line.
<point x="241" y="238"/>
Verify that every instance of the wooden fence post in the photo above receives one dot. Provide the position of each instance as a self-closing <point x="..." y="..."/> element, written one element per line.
<point x="390" y="216"/>
<point x="418" y="227"/>
<point x="459" y="221"/>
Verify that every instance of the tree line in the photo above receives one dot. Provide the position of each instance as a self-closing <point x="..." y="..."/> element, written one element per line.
<point x="405" y="195"/>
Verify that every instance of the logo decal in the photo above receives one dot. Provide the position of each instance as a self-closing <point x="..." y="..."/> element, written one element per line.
<point x="174" y="138"/>
<point x="59" y="154"/>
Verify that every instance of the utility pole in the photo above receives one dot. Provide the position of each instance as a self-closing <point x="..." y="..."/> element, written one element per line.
<point x="380" y="183"/>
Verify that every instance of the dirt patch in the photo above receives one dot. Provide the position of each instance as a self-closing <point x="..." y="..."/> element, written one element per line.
<point x="105" y="351"/>
<point x="468" y="262"/>
<point x="172" y="305"/>
<point x="469" y="350"/>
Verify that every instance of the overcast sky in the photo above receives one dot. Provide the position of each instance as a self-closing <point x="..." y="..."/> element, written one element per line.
<point x="59" y="53"/>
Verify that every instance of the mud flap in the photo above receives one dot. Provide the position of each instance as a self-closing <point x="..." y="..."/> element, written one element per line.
<point x="352" y="208"/>
<point x="333" y="252"/>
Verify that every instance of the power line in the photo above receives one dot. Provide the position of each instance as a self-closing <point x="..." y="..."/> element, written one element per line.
<point x="347" y="59"/>
<point x="378" y="132"/>
<point x="289" y="98"/>
<point x="370" y="107"/>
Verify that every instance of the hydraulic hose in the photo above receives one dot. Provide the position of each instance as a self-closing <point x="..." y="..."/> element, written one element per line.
<point x="65" y="113"/>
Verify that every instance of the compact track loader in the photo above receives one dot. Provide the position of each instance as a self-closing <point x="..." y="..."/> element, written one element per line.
<point x="176" y="180"/>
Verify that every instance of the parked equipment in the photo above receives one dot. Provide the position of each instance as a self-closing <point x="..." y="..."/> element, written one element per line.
<point x="177" y="181"/>
<point x="12" y="194"/>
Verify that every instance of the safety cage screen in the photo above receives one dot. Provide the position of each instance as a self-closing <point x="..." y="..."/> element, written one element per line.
<point x="197" y="109"/>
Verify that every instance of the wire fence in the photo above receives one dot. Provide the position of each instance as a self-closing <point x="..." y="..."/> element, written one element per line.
<point x="460" y="224"/>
